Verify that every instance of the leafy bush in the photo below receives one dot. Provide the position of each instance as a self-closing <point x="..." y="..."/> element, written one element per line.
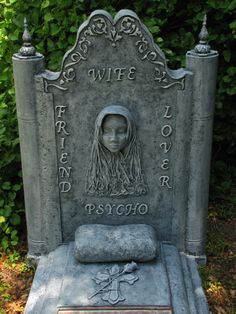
<point x="174" y="24"/>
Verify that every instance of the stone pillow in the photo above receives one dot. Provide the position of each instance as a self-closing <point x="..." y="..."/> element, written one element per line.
<point x="103" y="243"/>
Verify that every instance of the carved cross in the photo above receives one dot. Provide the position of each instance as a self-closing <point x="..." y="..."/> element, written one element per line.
<point x="110" y="280"/>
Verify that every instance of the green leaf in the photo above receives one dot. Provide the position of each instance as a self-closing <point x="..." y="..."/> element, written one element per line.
<point x="232" y="5"/>
<point x="2" y="219"/>
<point x="8" y="230"/>
<point x="15" y="242"/>
<point x="73" y="29"/>
<point x="7" y="211"/>
<point x="4" y="76"/>
<point x="45" y="4"/>
<point x="6" y="185"/>
<point x="14" y="234"/>
<point x="227" y="55"/>
<point x="14" y="36"/>
<point x="154" y="29"/>
<point x="12" y="196"/>
<point x="16" y="187"/>
<point x="5" y="243"/>
<point x="48" y="17"/>
<point x="54" y="29"/>
<point x="232" y="25"/>
<point x="15" y="219"/>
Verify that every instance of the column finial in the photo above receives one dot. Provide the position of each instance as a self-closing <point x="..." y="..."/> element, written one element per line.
<point x="27" y="50"/>
<point x="202" y="47"/>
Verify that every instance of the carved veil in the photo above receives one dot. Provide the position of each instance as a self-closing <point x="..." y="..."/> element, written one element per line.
<point x="117" y="174"/>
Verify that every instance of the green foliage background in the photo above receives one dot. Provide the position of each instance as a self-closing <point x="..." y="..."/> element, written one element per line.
<point x="175" y="25"/>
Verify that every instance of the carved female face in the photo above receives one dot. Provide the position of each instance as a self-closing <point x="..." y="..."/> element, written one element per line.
<point x="114" y="132"/>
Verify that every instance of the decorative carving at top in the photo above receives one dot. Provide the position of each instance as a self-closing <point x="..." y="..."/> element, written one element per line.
<point x="27" y="50"/>
<point x="126" y="23"/>
<point x="202" y="47"/>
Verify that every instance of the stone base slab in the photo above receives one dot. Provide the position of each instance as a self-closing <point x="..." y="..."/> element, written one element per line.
<point x="169" y="284"/>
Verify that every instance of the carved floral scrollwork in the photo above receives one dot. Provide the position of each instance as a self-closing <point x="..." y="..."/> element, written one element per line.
<point x="159" y="76"/>
<point x="114" y="32"/>
<point x="114" y="36"/>
<point x="152" y="57"/>
<point x="84" y="44"/>
<point x="128" y="25"/>
<point x="99" y="26"/>
<point x="142" y="45"/>
<point x="69" y="75"/>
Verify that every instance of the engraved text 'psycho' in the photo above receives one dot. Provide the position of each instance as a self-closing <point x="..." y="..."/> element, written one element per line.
<point x="117" y="209"/>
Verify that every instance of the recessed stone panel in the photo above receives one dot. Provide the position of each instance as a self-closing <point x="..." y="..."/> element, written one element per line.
<point x="115" y="69"/>
<point x="157" y="173"/>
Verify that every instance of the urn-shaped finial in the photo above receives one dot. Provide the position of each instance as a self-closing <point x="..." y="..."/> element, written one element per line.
<point x="202" y="47"/>
<point x="27" y="50"/>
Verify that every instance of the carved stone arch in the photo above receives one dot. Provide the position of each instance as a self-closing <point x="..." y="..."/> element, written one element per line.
<point x="101" y="25"/>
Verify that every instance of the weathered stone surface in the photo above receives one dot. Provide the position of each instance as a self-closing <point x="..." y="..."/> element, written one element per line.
<point x="103" y="243"/>
<point x="157" y="175"/>
<point x="115" y="63"/>
<point x="170" y="282"/>
<point x="116" y="138"/>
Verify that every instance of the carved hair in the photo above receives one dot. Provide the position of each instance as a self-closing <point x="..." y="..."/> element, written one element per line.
<point x="116" y="174"/>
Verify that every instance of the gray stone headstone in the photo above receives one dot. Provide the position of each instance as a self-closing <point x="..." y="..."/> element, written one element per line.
<point x="116" y="145"/>
<point x="158" y="176"/>
<point x="120" y="66"/>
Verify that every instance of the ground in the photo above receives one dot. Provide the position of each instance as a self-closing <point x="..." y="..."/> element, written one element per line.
<point x="219" y="274"/>
<point x="16" y="277"/>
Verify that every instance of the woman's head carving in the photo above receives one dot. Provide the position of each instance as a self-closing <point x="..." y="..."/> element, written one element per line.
<point x="114" y="133"/>
<point x="115" y="167"/>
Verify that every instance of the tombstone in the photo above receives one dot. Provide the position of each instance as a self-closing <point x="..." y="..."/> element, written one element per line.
<point x="116" y="156"/>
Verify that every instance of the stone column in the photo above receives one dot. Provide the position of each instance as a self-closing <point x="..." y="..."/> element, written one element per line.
<point x="26" y="64"/>
<point x="202" y="61"/>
